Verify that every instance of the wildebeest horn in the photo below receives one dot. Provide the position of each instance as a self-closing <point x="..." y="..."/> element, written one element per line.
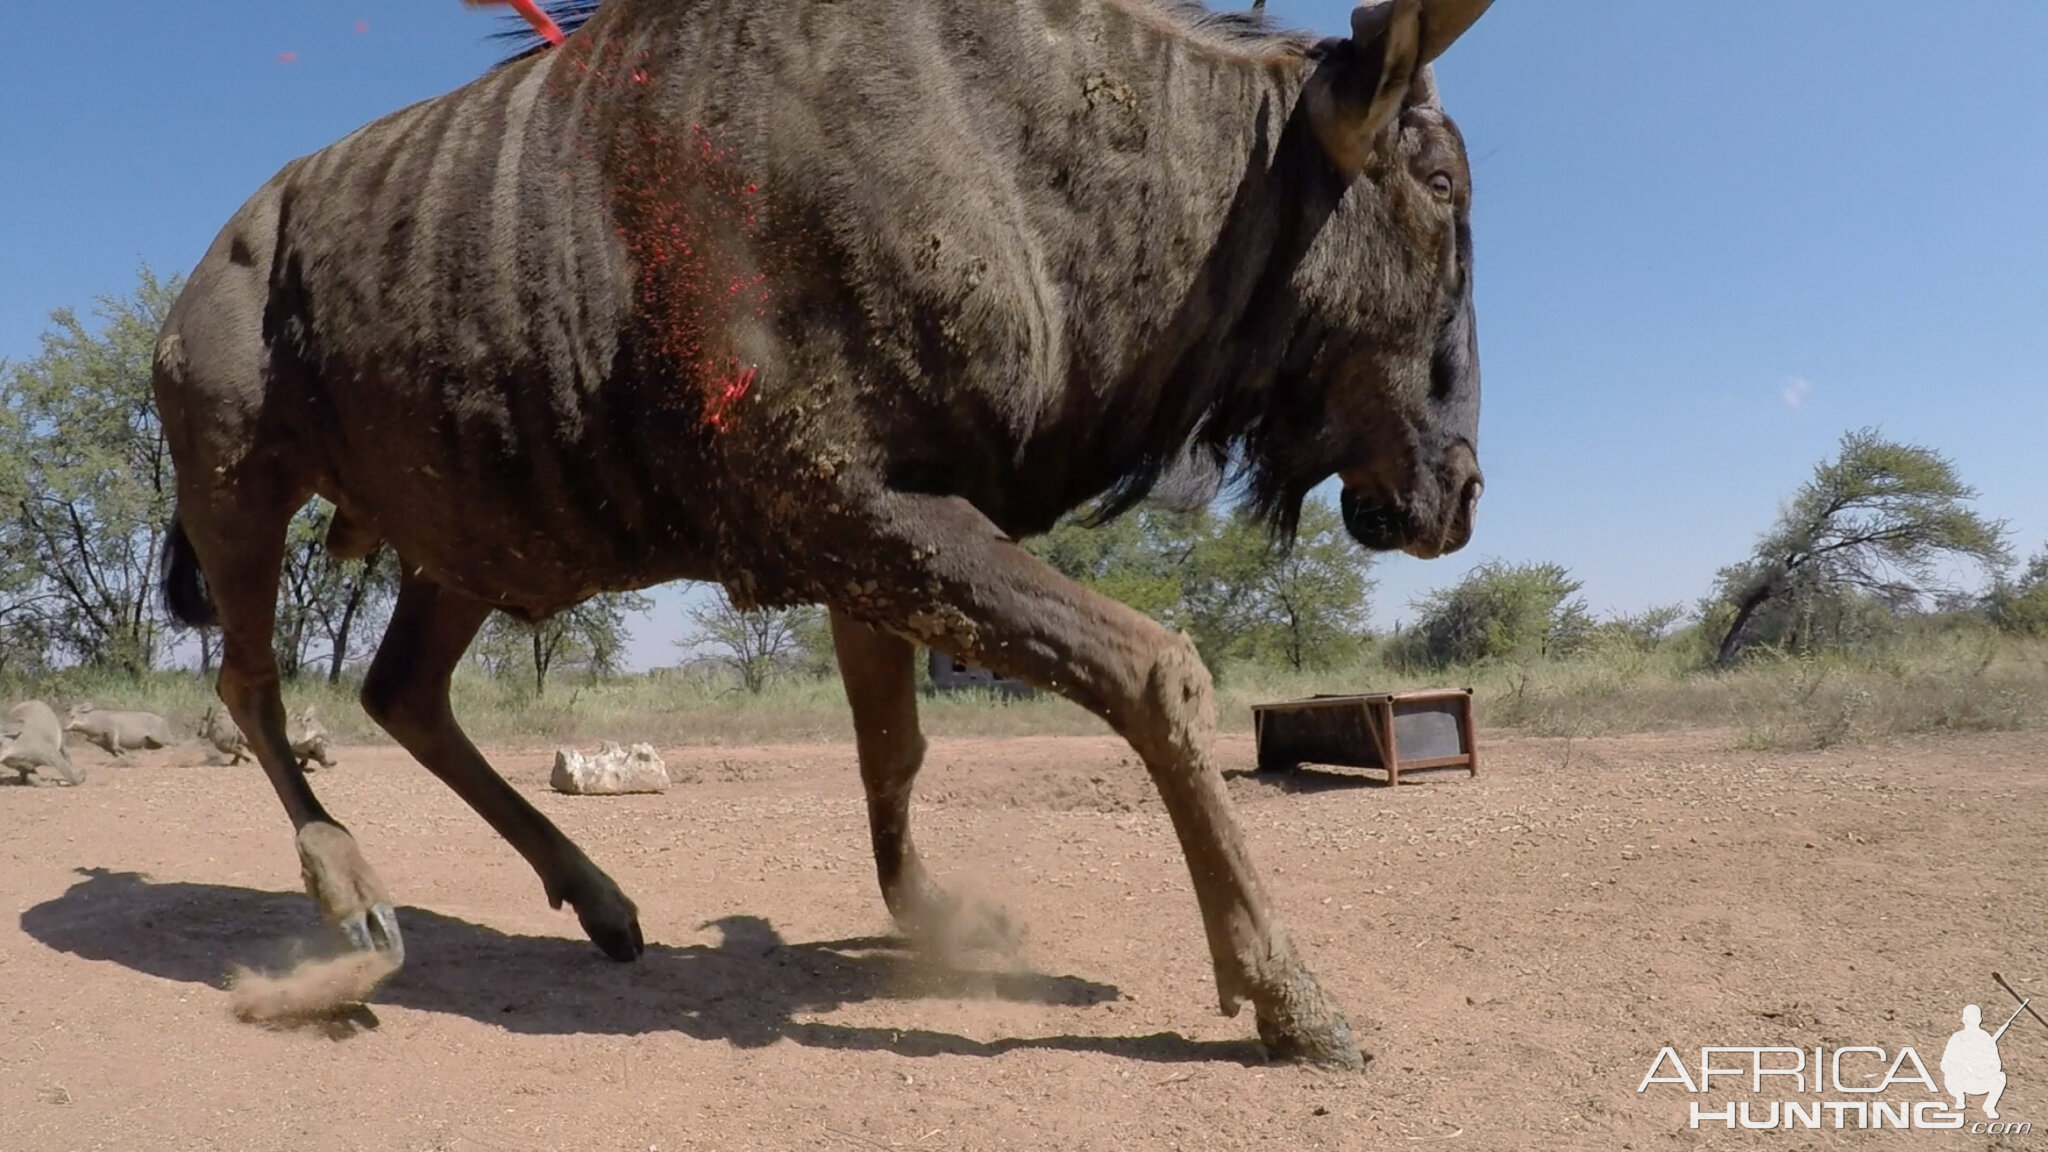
<point x="1443" y="21"/>
<point x="1405" y="35"/>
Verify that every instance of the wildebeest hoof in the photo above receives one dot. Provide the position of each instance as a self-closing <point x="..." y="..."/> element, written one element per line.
<point x="375" y="930"/>
<point x="610" y="919"/>
<point x="1304" y="1026"/>
<point x="342" y="883"/>
<point x="616" y="936"/>
<point x="1332" y="1049"/>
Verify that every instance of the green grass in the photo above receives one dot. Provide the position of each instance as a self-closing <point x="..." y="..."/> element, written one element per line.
<point x="1953" y="680"/>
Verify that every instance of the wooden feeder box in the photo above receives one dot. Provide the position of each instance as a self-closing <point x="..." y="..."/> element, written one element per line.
<point x="950" y="675"/>
<point x="1396" y="732"/>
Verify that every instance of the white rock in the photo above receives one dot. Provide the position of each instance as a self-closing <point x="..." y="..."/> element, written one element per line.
<point x="610" y="771"/>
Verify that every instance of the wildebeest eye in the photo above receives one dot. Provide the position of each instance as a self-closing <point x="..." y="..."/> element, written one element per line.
<point x="1442" y="184"/>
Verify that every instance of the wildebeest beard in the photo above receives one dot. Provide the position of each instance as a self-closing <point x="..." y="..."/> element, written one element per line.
<point x="1265" y="441"/>
<point x="1280" y="458"/>
<point x="1288" y="445"/>
<point x="1268" y="473"/>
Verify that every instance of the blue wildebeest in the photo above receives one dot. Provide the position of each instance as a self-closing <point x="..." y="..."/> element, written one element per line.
<point x="834" y="301"/>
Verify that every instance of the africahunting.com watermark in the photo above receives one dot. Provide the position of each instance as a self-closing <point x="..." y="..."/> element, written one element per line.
<point x="1763" y="1087"/>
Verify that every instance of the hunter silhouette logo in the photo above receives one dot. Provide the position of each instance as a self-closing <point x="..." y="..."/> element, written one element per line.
<point x="1970" y="1065"/>
<point x="1851" y="1086"/>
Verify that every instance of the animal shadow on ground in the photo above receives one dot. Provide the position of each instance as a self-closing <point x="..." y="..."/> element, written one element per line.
<point x="747" y="990"/>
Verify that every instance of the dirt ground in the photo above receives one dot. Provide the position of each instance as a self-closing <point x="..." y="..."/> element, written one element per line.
<point x="1515" y="949"/>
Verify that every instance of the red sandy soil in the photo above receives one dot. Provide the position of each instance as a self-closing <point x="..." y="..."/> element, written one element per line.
<point x="1515" y="949"/>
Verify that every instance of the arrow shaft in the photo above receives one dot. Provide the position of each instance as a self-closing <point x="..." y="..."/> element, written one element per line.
<point x="2022" y="999"/>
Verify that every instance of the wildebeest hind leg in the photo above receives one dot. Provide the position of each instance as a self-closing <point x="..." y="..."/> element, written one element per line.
<point x="241" y="550"/>
<point x="406" y="693"/>
<point x="879" y="674"/>
<point x="966" y="588"/>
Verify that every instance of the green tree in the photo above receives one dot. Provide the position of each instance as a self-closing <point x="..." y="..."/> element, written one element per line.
<point x="355" y="601"/>
<point x="1869" y="533"/>
<point x="298" y="585"/>
<point x="89" y="482"/>
<point x="1309" y="605"/>
<point x="1216" y="562"/>
<point x="1137" y="558"/>
<point x="591" y="635"/>
<point x="326" y="608"/>
<point x="2021" y="605"/>
<point x="1499" y="611"/>
<point x="1305" y="607"/>
<point x="25" y="600"/>
<point x="1219" y="579"/>
<point x="762" y="644"/>
<point x="815" y="656"/>
<point x="1640" y="631"/>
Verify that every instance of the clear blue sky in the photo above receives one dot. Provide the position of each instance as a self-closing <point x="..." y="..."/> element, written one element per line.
<point x="1710" y="237"/>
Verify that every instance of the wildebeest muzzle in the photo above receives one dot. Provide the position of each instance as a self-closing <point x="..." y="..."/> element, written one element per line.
<point x="1433" y="518"/>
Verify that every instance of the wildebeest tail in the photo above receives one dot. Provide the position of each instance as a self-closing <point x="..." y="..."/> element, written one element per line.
<point x="184" y="585"/>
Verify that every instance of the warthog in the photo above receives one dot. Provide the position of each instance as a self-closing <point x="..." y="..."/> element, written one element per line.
<point x="119" y="732"/>
<point x="219" y="733"/>
<point x="32" y="740"/>
<point x="833" y="301"/>
<point x="308" y="737"/>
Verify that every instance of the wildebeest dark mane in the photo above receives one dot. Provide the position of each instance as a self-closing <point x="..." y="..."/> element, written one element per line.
<point x="1229" y="418"/>
<point x="1252" y="31"/>
<point x="1249" y="31"/>
<point x="1218" y="451"/>
<point x="568" y="15"/>
<point x="1226" y="455"/>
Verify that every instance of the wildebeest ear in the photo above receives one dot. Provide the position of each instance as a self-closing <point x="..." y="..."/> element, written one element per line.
<point x="1354" y="96"/>
<point x="1422" y="92"/>
<point x="1383" y="66"/>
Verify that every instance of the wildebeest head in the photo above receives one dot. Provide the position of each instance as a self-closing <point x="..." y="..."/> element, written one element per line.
<point x="1378" y="382"/>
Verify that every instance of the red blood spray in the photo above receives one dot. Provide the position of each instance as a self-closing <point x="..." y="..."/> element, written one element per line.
<point x="686" y="217"/>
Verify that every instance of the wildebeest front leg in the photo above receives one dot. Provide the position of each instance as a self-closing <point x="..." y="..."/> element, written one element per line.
<point x="406" y="693"/>
<point x="880" y="676"/>
<point x="964" y="587"/>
